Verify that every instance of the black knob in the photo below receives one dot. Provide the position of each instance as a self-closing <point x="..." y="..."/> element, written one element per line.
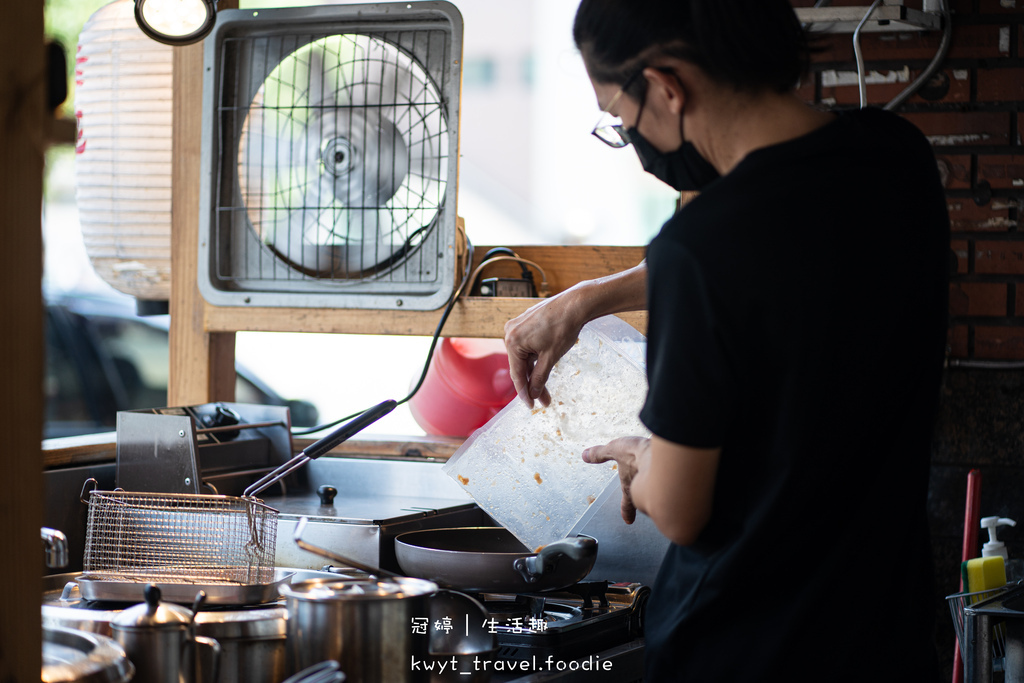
<point x="152" y="595"/>
<point x="327" y="494"/>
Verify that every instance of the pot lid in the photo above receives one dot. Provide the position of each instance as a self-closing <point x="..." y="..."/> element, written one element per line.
<point x="267" y="623"/>
<point x="324" y="590"/>
<point x="153" y="614"/>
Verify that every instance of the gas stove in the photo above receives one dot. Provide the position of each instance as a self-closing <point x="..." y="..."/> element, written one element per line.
<point x="592" y="631"/>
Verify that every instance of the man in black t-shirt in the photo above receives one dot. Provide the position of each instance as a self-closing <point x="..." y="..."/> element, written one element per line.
<point x="796" y="335"/>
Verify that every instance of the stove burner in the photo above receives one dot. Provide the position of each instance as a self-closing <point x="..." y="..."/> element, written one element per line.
<point x="579" y="621"/>
<point x="526" y="613"/>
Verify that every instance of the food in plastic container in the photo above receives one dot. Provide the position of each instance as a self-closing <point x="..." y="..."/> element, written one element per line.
<point x="524" y="467"/>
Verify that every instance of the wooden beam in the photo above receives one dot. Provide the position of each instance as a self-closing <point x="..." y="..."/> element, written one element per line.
<point x="94" y="449"/>
<point x="471" y="317"/>
<point x="202" y="367"/>
<point x="23" y="138"/>
<point x="74" y="451"/>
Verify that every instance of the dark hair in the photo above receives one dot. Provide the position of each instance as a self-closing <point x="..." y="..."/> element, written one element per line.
<point x="752" y="45"/>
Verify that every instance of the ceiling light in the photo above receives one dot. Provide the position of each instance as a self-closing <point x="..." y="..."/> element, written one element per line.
<point x="175" y="22"/>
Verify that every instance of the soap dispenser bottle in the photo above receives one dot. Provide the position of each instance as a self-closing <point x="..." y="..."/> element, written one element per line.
<point x="994" y="547"/>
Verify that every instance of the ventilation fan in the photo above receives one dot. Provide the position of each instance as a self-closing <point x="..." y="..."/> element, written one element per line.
<point x="330" y="141"/>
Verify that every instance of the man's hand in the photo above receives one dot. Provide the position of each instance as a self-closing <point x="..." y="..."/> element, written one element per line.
<point x="671" y="483"/>
<point x="536" y="340"/>
<point x="625" y="452"/>
<point x="540" y="336"/>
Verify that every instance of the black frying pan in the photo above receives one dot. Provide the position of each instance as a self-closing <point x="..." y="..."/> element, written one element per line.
<point x="491" y="559"/>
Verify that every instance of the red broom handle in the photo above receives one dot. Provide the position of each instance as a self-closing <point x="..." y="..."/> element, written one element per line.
<point x="972" y="518"/>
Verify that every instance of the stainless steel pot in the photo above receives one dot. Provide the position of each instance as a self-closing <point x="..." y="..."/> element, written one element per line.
<point x="253" y="647"/>
<point x="370" y="622"/>
<point x="160" y="641"/>
<point x="252" y="644"/>
<point x="364" y="624"/>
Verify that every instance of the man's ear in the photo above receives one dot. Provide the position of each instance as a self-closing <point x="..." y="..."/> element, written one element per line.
<point x="667" y="86"/>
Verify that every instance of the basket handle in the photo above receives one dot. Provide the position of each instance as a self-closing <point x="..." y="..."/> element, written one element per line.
<point x="95" y="485"/>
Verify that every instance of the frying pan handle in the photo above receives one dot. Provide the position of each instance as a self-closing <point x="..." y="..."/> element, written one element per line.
<point x="577" y="549"/>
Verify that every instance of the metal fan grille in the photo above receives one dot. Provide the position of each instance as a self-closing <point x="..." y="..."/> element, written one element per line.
<point x="334" y="166"/>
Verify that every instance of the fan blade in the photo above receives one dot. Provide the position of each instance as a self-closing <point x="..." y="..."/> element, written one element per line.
<point x="349" y="159"/>
<point x="321" y="91"/>
<point x="362" y="156"/>
<point x="335" y="242"/>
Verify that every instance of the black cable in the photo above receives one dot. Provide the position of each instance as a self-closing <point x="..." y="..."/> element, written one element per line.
<point x="430" y="353"/>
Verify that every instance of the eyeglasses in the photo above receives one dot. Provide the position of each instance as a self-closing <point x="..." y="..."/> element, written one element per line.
<point x="609" y="128"/>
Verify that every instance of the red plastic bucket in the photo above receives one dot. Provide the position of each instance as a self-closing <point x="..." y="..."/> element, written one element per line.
<point x="467" y="383"/>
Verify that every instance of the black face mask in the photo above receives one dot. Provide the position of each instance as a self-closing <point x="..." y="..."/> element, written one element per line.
<point x="684" y="170"/>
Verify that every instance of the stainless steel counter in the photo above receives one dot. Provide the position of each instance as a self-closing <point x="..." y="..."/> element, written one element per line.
<point x="376" y="500"/>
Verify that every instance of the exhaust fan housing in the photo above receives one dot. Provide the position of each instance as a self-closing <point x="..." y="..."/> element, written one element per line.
<point x="330" y="157"/>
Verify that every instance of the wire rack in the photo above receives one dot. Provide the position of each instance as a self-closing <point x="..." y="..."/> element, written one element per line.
<point x="959" y="601"/>
<point x="342" y="159"/>
<point x="179" y="538"/>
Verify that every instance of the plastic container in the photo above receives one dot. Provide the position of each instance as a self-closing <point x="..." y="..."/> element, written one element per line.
<point x="524" y="468"/>
<point x="467" y="383"/>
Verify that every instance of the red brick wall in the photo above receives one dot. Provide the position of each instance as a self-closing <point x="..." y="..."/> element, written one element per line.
<point x="972" y="112"/>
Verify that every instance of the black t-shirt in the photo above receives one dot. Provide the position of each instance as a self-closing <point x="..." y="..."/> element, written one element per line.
<point x="798" y="321"/>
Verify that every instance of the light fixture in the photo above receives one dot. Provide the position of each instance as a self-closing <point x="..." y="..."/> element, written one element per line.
<point x="175" y="22"/>
<point x="123" y="101"/>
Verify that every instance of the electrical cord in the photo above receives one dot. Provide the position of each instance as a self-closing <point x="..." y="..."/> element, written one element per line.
<point x="524" y="262"/>
<point x="923" y="77"/>
<point x="467" y="279"/>
<point x="861" y="82"/>
<point x="940" y="56"/>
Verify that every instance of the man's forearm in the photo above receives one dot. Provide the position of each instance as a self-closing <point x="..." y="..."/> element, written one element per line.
<point x="618" y="293"/>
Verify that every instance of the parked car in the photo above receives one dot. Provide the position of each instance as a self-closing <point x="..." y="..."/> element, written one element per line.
<point x="101" y="358"/>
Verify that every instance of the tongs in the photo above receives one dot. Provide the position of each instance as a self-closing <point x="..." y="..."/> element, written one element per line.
<point x="322" y="446"/>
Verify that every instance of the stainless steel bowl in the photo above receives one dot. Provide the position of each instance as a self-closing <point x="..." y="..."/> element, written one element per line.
<point x="71" y="656"/>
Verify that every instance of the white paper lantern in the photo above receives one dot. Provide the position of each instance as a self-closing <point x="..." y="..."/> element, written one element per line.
<point x="123" y="161"/>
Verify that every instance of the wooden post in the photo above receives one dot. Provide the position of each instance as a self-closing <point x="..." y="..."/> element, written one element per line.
<point x="202" y="364"/>
<point x="23" y="134"/>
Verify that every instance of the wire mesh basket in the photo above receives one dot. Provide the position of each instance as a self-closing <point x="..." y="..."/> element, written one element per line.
<point x="959" y="601"/>
<point x="179" y="538"/>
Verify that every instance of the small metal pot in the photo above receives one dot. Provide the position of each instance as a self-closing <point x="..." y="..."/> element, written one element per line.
<point x="159" y="640"/>
<point x="364" y="624"/>
<point x="252" y="644"/>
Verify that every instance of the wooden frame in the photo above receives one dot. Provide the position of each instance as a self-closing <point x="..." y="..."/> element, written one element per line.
<point x="26" y="129"/>
<point x="203" y="336"/>
<point x="471" y="317"/>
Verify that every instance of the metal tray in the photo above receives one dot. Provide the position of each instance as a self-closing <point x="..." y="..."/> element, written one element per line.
<point x="183" y="593"/>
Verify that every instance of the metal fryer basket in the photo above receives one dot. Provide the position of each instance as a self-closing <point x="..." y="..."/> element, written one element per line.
<point x="195" y="538"/>
<point x="179" y="538"/>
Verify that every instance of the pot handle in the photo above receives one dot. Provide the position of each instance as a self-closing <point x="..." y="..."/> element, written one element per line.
<point x="577" y="549"/>
<point x="215" y="650"/>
